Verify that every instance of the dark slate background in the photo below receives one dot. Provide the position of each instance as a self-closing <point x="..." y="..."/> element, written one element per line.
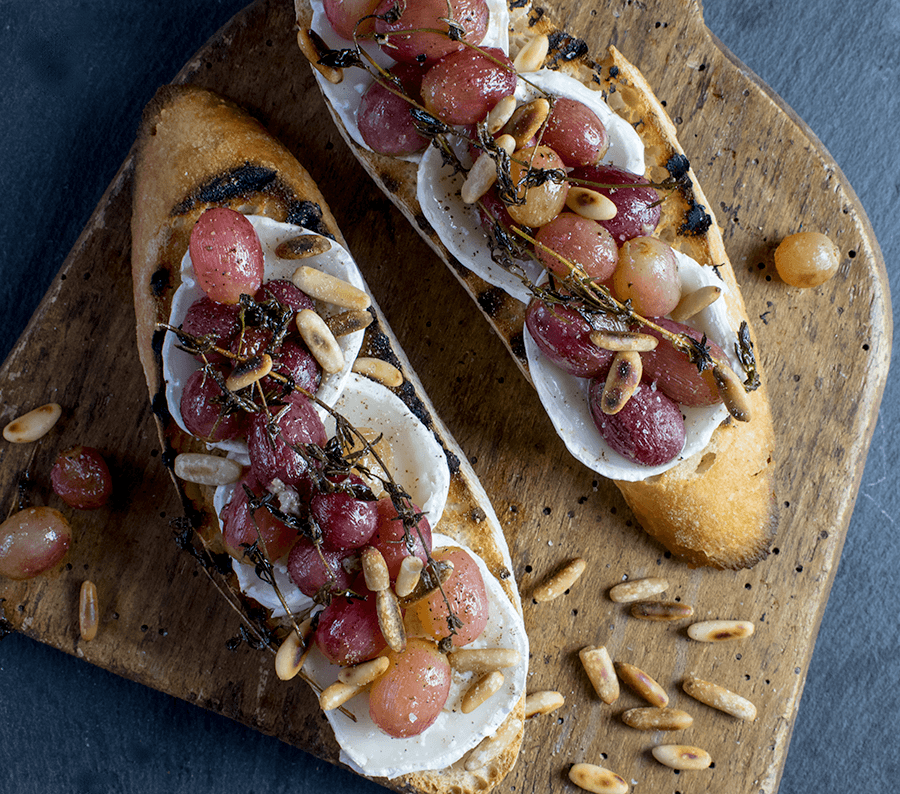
<point x="74" y="77"/>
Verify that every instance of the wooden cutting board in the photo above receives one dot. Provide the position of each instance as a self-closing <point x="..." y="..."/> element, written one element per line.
<point x="826" y="352"/>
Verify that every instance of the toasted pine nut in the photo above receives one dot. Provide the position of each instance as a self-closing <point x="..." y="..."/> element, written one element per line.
<point x="206" y="469"/>
<point x="292" y="652"/>
<point x="481" y="691"/>
<point x="365" y="672"/>
<point x="695" y="302"/>
<point x="390" y="620"/>
<point x="680" y="756"/>
<point x="641" y="683"/>
<point x="375" y="569"/>
<point x="480" y="660"/>
<point x="492" y="746"/>
<point x="637" y="589"/>
<point x="590" y="204"/>
<point x="408" y="576"/>
<point x="330" y="289"/>
<point x="599" y="668"/>
<point x="33" y="425"/>
<point x="597" y="780"/>
<point x="720" y="630"/>
<point x="661" y="610"/>
<point x="622" y="381"/>
<point x="248" y="372"/>
<point x="542" y="702"/>
<point x="379" y="370"/>
<point x="309" y="49"/>
<point x="303" y="247"/>
<point x="348" y="322"/>
<point x="88" y="613"/>
<point x="624" y="341"/>
<point x="483" y="172"/>
<point x="720" y="698"/>
<point x="337" y="695"/>
<point x="426" y="585"/>
<point x="732" y="392"/>
<point x="561" y="581"/>
<point x="524" y="124"/>
<point x="531" y="56"/>
<point x="657" y="719"/>
<point x="500" y="114"/>
<point x="320" y="341"/>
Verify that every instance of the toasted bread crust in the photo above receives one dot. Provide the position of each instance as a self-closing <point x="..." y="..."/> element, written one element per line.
<point x="683" y="508"/>
<point x="196" y="150"/>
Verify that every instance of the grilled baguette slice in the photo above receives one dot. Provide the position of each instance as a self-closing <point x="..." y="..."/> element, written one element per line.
<point x="197" y="150"/>
<point x="716" y="509"/>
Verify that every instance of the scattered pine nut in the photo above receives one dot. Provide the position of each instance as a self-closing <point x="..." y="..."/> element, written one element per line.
<point x="390" y="620"/>
<point x="732" y="392"/>
<point x="480" y="660"/>
<point x="561" y="581"/>
<point x="330" y="289"/>
<point x="641" y="683"/>
<point x="378" y="370"/>
<point x="720" y="698"/>
<point x="320" y="341"/>
<point x="33" y="425"/>
<point x="375" y="569"/>
<point x="542" y="702"/>
<point x="661" y="610"/>
<point x="303" y="247"/>
<point x="720" y="630"/>
<point x="481" y="691"/>
<point x="483" y="172"/>
<point x="311" y="51"/>
<point x="652" y="718"/>
<point x="408" y="576"/>
<point x="531" y="57"/>
<point x="622" y="381"/>
<point x="599" y="668"/>
<point x="695" y="302"/>
<point x="348" y="322"/>
<point x="426" y="585"/>
<point x="681" y="756"/>
<point x="500" y="114"/>
<point x="492" y="746"/>
<point x="203" y="469"/>
<point x="597" y="780"/>
<point x="638" y="589"/>
<point x="364" y="673"/>
<point x="248" y="372"/>
<point x="590" y="204"/>
<point x="88" y="612"/>
<point x="292" y="652"/>
<point x="337" y="695"/>
<point x="624" y="341"/>
<point x="527" y="119"/>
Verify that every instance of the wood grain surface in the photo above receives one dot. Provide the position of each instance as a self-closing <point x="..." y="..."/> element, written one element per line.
<point x="826" y="352"/>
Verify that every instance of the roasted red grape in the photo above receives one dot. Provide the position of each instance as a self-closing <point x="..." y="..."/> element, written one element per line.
<point x="408" y="698"/>
<point x="293" y="360"/>
<point x="543" y="202"/>
<point x="226" y="254"/>
<point x="389" y="537"/>
<point x="647" y="274"/>
<point x="582" y="242"/>
<point x="242" y="527"/>
<point x="416" y="16"/>
<point x="649" y="430"/>
<point x="346" y="522"/>
<point x="313" y="568"/>
<point x="383" y="116"/>
<point x="637" y="208"/>
<point x="348" y="632"/>
<point x="203" y="409"/>
<point x="80" y="477"/>
<point x="563" y="336"/>
<point x="575" y="133"/>
<point x="217" y="322"/>
<point x="467" y="596"/>
<point x="672" y="372"/>
<point x="462" y="87"/>
<point x="286" y="293"/>
<point x="33" y="541"/>
<point x="276" y="455"/>
<point x="345" y="14"/>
